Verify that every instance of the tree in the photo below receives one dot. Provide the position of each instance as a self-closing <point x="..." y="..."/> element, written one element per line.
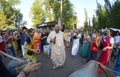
<point x="49" y="10"/>
<point x="68" y="16"/>
<point x="108" y="15"/>
<point x="48" y="5"/>
<point x="95" y="22"/>
<point x="115" y="15"/>
<point x="101" y="20"/>
<point x="38" y="13"/>
<point x="17" y="17"/>
<point x="9" y="11"/>
<point x="86" y="19"/>
<point x="2" y="20"/>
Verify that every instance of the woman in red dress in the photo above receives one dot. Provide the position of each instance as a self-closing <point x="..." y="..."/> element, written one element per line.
<point x="2" y="45"/>
<point x="108" y="42"/>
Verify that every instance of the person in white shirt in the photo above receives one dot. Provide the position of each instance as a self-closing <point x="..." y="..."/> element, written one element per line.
<point x="116" y="42"/>
<point x="56" y="39"/>
<point x="116" y="39"/>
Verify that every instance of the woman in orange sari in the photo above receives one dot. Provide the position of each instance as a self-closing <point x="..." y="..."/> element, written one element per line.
<point x="37" y="37"/>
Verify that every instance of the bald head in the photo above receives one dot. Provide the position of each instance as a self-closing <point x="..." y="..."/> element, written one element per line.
<point x="57" y="28"/>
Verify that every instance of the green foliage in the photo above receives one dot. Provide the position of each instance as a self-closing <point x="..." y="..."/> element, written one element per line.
<point x="48" y="5"/>
<point x="107" y="15"/>
<point x="38" y="13"/>
<point x="68" y="15"/>
<point x="11" y="14"/>
<point x="102" y="17"/>
<point x="95" y="22"/>
<point x="86" y="19"/>
<point x="49" y="10"/>
<point x="115" y="15"/>
<point x="2" y="20"/>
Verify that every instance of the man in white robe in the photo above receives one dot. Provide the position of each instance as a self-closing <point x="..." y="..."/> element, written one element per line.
<point x="56" y="39"/>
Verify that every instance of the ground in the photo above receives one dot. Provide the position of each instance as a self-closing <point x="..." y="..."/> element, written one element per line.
<point x="71" y="64"/>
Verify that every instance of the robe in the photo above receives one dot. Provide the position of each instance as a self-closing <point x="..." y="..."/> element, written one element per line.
<point x="75" y="47"/>
<point x="58" y="54"/>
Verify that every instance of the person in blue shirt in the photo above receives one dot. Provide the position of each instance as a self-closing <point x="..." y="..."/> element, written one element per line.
<point x="22" y="40"/>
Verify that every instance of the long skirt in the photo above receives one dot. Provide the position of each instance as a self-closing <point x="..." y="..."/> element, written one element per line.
<point x="15" y="45"/>
<point x="104" y="58"/>
<point x="92" y="55"/>
<point x="75" y="47"/>
<point x="84" y="50"/>
<point x="2" y="46"/>
<point x="41" y="46"/>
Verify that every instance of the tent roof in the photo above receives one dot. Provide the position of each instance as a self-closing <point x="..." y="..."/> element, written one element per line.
<point x="114" y="29"/>
<point x="47" y="24"/>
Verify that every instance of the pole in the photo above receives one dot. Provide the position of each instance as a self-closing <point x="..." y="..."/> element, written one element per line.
<point x="61" y="13"/>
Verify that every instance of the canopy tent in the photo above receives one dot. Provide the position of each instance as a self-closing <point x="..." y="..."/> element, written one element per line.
<point x="47" y="24"/>
<point x="113" y="29"/>
<point x="42" y="25"/>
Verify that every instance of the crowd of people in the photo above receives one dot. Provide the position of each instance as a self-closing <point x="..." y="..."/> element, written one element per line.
<point x="98" y="46"/>
<point x="27" y="43"/>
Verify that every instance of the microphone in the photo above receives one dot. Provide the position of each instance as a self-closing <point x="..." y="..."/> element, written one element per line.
<point x="54" y="40"/>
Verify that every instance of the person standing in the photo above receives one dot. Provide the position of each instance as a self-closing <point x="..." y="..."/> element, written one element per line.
<point x="8" y="42"/>
<point x="44" y="39"/>
<point x="117" y="66"/>
<point x="28" y="45"/>
<point x="75" y="46"/>
<point x="116" y="43"/>
<point x="56" y="39"/>
<point x="67" y="37"/>
<point x="37" y="37"/>
<point x="93" y="54"/>
<point x="15" y="42"/>
<point x="22" y="40"/>
<point x="116" y="40"/>
<point x="108" y="43"/>
<point x="85" y="46"/>
<point x="46" y="46"/>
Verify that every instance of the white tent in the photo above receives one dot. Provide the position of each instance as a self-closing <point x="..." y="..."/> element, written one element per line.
<point x="114" y="29"/>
